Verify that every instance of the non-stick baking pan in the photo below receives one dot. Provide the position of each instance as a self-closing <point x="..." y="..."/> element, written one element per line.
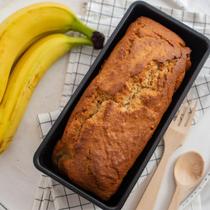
<point x="200" y="50"/>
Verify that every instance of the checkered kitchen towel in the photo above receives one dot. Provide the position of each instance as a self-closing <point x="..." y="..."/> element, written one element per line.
<point x="104" y="15"/>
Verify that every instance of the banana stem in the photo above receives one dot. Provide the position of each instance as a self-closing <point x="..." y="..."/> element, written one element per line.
<point x="96" y="37"/>
<point x="83" y="28"/>
<point x="77" y="41"/>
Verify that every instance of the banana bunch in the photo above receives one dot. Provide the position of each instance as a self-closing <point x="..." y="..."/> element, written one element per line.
<point x="28" y="25"/>
<point x="31" y="40"/>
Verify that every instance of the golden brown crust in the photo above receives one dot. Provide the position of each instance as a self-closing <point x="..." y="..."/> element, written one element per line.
<point x="121" y="108"/>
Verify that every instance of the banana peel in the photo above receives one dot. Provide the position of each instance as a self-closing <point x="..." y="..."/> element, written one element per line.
<point x="31" y="23"/>
<point x="26" y="75"/>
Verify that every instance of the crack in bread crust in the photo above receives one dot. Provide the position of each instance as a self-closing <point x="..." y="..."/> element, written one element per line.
<point x="121" y="108"/>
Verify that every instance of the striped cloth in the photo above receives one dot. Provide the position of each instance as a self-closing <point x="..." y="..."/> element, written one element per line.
<point x="104" y="16"/>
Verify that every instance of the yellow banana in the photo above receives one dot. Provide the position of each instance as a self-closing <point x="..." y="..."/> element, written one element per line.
<point x="26" y="75"/>
<point x="29" y="24"/>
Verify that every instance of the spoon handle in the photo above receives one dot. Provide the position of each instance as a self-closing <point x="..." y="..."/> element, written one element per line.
<point x="176" y="199"/>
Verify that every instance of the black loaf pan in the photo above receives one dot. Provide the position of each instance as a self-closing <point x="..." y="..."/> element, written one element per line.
<point x="200" y="49"/>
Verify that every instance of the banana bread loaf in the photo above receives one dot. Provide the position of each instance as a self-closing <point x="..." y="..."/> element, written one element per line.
<point x="121" y="108"/>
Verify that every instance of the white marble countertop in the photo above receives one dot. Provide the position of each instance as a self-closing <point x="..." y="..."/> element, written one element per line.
<point x="18" y="158"/>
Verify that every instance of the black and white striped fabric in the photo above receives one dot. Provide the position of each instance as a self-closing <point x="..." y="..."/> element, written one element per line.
<point x="104" y="15"/>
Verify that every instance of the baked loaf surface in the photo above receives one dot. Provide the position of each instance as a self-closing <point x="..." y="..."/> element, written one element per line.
<point x="121" y="108"/>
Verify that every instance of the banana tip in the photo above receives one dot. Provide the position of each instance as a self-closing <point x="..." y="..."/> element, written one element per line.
<point x="98" y="40"/>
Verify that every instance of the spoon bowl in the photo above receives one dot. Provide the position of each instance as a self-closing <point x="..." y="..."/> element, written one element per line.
<point x="188" y="171"/>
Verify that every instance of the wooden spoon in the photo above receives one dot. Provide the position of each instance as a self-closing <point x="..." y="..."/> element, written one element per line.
<point x="188" y="170"/>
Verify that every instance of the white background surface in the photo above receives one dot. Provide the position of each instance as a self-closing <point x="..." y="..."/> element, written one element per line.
<point x="18" y="177"/>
